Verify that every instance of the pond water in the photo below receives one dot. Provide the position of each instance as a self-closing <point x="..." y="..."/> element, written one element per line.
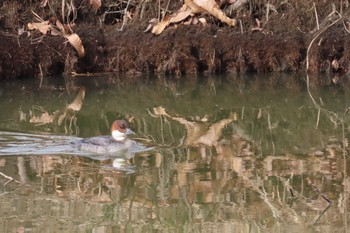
<point x="228" y="155"/>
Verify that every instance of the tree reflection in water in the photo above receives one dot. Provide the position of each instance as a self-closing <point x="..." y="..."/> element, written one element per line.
<point x="251" y="164"/>
<point x="223" y="186"/>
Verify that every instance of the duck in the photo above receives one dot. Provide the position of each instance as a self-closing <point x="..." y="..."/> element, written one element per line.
<point x="117" y="142"/>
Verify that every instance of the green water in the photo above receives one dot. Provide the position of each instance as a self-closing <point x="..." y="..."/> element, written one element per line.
<point x="230" y="156"/>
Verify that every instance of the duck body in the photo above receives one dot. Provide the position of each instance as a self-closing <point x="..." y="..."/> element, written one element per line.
<point x="116" y="143"/>
<point x="104" y="145"/>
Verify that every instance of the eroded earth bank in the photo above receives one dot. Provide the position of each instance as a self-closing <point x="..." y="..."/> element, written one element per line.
<point x="268" y="36"/>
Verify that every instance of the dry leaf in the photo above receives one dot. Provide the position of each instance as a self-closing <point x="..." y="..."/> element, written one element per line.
<point x="96" y="4"/>
<point x="75" y="41"/>
<point x="193" y="7"/>
<point x="60" y="27"/>
<point x="151" y="24"/>
<point x="203" y="21"/>
<point x="149" y="27"/>
<point x="56" y="28"/>
<point x="213" y="8"/>
<point x="44" y="27"/>
<point x="180" y="15"/>
<point x="55" y="31"/>
<point x="159" y="27"/>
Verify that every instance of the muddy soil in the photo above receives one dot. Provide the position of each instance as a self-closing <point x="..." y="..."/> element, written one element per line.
<point x="269" y="37"/>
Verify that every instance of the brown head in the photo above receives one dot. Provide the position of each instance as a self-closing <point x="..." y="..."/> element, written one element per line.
<point x="120" y="125"/>
<point x="120" y="129"/>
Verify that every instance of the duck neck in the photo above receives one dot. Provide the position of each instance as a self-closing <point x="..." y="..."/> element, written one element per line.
<point x="118" y="136"/>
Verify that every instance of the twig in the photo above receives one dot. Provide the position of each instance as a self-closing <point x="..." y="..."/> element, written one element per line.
<point x="341" y="7"/>
<point x="267" y="11"/>
<point x="63" y="10"/>
<point x="166" y="9"/>
<point x="320" y="32"/>
<point x="125" y="12"/>
<point x="241" y="25"/>
<point x="316" y="16"/>
<point x="158" y="10"/>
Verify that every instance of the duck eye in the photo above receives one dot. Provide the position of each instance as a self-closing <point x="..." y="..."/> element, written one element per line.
<point x="122" y="126"/>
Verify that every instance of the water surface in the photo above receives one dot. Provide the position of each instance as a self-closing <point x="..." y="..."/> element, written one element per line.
<point x="229" y="156"/>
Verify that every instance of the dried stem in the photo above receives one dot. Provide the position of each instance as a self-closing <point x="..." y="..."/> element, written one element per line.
<point x="316" y="16"/>
<point x="319" y="32"/>
<point x="125" y="13"/>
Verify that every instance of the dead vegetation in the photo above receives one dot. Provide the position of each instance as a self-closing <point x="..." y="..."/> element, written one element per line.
<point x="194" y="36"/>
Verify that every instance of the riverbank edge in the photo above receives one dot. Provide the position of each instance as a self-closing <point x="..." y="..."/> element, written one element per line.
<point x="177" y="51"/>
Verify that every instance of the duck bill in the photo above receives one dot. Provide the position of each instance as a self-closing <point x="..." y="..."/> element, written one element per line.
<point x="129" y="131"/>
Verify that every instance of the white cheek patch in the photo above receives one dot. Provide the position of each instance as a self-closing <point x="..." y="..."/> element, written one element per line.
<point x="118" y="136"/>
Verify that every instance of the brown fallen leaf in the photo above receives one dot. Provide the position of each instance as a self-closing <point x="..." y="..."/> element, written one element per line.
<point x="194" y="7"/>
<point x="213" y="8"/>
<point x="75" y="41"/>
<point x="61" y="27"/>
<point x="159" y="27"/>
<point x="44" y="27"/>
<point x="203" y="21"/>
<point x="55" y="28"/>
<point x="180" y="15"/>
<point x="191" y="7"/>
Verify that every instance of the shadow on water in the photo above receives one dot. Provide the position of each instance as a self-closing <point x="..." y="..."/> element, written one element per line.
<point x="229" y="155"/>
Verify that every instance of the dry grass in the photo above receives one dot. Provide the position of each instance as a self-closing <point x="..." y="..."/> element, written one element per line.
<point x="293" y="15"/>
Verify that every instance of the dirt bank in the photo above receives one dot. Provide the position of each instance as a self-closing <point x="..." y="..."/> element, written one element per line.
<point x="268" y="37"/>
